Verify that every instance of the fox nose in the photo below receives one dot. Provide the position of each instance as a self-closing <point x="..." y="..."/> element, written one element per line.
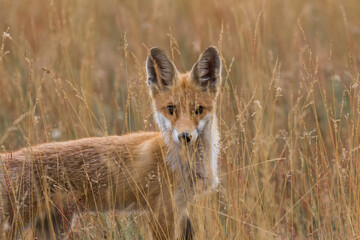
<point x="184" y="137"/>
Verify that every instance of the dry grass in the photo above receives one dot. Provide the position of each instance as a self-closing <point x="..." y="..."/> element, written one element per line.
<point x="289" y="106"/>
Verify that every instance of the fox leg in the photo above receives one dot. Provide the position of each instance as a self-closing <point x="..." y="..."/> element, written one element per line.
<point x="163" y="224"/>
<point x="187" y="231"/>
<point x="163" y="227"/>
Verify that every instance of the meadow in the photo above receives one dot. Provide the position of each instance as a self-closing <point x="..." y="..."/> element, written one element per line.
<point x="289" y="104"/>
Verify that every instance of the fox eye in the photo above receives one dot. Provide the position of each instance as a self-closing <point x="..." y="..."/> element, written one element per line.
<point x="171" y="109"/>
<point x="199" y="110"/>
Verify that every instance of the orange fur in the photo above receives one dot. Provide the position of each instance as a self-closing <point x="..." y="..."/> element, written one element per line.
<point x="43" y="186"/>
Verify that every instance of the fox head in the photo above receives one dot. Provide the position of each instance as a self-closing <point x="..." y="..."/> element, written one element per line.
<point x="183" y="103"/>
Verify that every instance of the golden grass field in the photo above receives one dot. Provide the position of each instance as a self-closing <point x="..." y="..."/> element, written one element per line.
<point x="289" y="104"/>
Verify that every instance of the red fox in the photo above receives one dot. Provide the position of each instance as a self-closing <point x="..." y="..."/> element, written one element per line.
<point x="158" y="173"/>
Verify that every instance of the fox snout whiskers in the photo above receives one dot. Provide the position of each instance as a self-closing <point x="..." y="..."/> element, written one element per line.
<point x="185" y="137"/>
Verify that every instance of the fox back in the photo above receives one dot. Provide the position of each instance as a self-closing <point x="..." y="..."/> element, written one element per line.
<point x="42" y="187"/>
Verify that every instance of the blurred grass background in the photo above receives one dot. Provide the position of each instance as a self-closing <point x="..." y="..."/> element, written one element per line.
<point x="289" y="105"/>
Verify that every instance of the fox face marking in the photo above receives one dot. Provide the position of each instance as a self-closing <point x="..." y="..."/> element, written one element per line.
<point x="183" y="102"/>
<point x="184" y="107"/>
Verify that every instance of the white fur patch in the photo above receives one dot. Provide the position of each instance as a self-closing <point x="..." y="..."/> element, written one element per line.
<point x="164" y="125"/>
<point x="175" y="136"/>
<point x="211" y="132"/>
<point x="204" y="121"/>
<point x="214" y="154"/>
<point x="194" y="135"/>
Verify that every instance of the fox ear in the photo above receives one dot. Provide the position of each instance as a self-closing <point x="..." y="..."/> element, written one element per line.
<point x="160" y="69"/>
<point x="206" y="72"/>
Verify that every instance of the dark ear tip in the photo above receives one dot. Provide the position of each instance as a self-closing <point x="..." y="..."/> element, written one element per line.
<point x="155" y="51"/>
<point x="212" y="50"/>
<point x="213" y="53"/>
